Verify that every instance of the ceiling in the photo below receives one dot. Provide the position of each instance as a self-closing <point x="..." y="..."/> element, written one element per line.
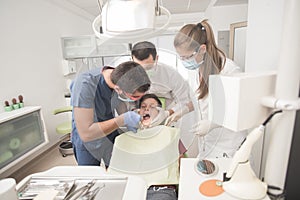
<point x="174" y="6"/>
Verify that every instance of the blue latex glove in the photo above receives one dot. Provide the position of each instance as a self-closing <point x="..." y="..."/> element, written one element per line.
<point x="131" y="120"/>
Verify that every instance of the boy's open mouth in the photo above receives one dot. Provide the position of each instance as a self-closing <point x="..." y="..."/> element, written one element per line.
<point x="146" y="116"/>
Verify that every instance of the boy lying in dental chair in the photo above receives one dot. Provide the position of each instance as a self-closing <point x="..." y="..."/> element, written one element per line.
<point x="152" y="153"/>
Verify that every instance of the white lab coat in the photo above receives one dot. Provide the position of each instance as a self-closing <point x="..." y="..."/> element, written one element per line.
<point x="219" y="142"/>
<point x="166" y="82"/>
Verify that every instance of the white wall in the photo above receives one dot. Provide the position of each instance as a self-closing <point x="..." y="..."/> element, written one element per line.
<point x="220" y="17"/>
<point x="264" y="34"/>
<point x="31" y="55"/>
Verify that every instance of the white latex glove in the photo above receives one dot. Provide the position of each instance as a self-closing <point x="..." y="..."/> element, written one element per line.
<point x="203" y="127"/>
<point x="176" y="115"/>
<point x="162" y="115"/>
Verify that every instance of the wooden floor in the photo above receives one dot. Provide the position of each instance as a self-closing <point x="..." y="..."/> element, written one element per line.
<point x="48" y="160"/>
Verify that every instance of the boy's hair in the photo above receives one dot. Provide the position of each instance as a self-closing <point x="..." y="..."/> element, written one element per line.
<point x="143" y="50"/>
<point x="130" y="77"/>
<point x="149" y="96"/>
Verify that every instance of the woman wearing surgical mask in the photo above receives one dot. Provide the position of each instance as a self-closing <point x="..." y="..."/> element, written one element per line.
<point x="196" y="47"/>
<point x="195" y="44"/>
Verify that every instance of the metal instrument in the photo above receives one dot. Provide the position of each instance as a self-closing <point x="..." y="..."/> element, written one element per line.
<point x="85" y="192"/>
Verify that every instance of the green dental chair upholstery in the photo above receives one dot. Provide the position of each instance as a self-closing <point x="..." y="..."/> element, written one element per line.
<point x="65" y="147"/>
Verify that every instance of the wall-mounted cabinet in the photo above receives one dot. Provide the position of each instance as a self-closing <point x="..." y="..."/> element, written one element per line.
<point x="79" y="47"/>
<point x="89" y="46"/>
<point x="22" y="134"/>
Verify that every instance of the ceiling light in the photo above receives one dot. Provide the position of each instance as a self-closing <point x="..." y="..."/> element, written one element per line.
<point x="129" y="20"/>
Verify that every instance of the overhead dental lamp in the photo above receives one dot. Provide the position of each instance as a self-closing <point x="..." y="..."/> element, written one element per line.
<point x="129" y="20"/>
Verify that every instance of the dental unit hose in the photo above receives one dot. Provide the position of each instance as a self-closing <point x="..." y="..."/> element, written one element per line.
<point x="243" y="154"/>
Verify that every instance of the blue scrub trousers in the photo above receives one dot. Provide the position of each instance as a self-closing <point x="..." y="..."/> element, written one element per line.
<point x="84" y="157"/>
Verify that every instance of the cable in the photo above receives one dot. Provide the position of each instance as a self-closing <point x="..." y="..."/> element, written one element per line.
<point x="270" y="117"/>
<point x="191" y="143"/>
<point x="100" y="3"/>
<point x="210" y="150"/>
<point x="276" y="196"/>
<point x="189" y="5"/>
<point x="212" y="147"/>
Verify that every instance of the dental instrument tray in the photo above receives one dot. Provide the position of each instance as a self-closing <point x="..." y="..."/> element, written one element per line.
<point x="36" y="185"/>
<point x="70" y="188"/>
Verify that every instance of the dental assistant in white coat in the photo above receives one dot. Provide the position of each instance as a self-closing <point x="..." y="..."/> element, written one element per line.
<point x="196" y="47"/>
<point x="166" y="82"/>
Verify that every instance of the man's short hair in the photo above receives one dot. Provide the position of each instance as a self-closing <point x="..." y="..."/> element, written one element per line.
<point x="130" y="77"/>
<point x="143" y="50"/>
<point x="149" y="96"/>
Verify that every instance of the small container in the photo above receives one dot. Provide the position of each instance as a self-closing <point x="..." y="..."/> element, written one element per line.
<point x="205" y="167"/>
<point x="8" y="189"/>
<point x="8" y="108"/>
<point x="16" y="106"/>
<point x="21" y="103"/>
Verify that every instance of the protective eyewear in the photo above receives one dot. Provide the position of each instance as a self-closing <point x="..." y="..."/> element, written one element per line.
<point x="190" y="56"/>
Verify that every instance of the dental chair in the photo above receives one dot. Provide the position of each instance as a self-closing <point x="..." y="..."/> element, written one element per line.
<point x="153" y="155"/>
<point x="65" y="147"/>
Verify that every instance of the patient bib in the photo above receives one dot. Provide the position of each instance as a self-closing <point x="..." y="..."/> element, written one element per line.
<point x="150" y="153"/>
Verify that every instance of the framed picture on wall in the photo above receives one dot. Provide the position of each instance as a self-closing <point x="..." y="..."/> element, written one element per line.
<point x="237" y="43"/>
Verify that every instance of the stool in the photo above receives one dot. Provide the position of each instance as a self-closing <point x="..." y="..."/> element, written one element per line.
<point x="65" y="147"/>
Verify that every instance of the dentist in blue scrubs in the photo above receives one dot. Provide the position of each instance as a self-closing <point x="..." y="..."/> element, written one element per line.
<point x="94" y="126"/>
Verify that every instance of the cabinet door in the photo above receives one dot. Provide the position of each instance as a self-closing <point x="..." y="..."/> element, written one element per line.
<point x="19" y="136"/>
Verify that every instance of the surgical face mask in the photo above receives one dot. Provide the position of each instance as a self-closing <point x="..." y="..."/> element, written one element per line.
<point x="191" y="63"/>
<point x="150" y="69"/>
<point x="150" y="72"/>
<point x="126" y="99"/>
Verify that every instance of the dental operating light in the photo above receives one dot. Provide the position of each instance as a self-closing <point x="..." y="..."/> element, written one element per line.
<point x="129" y="20"/>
